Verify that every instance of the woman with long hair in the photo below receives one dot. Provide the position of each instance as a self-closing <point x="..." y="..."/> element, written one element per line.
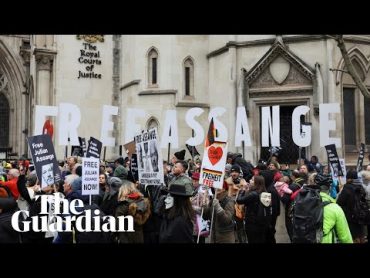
<point x="132" y="202"/>
<point x="178" y="216"/>
<point x="256" y="224"/>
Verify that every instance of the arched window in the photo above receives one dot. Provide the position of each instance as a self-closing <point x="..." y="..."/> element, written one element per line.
<point x="152" y="123"/>
<point x="188" y="77"/>
<point x="153" y="67"/>
<point x="4" y="121"/>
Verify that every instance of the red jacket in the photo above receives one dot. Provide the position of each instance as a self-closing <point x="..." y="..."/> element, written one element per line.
<point x="12" y="185"/>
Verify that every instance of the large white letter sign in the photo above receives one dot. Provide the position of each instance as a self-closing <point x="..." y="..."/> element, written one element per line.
<point x="222" y="130"/>
<point x="302" y="139"/>
<point x="69" y="120"/>
<point x="170" y="124"/>
<point x="107" y="125"/>
<point x="326" y="125"/>
<point x="272" y="128"/>
<point x="242" y="128"/>
<point x="41" y="112"/>
<point x="192" y="123"/>
<point x="131" y="127"/>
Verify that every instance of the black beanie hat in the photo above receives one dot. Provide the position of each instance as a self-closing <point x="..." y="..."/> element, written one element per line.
<point x="180" y="155"/>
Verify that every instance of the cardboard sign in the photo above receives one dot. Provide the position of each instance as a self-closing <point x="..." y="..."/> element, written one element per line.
<point x="90" y="176"/>
<point x="130" y="148"/>
<point x="333" y="158"/>
<point x="213" y="165"/>
<point x="149" y="158"/>
<point x="44" y="159"/>
<point x="94" y="148"/>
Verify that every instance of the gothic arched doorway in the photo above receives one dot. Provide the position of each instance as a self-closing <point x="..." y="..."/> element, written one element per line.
<point x="4" y="121"/>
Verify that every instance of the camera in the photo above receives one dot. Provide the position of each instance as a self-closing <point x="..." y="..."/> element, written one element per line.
<point x="236" y="181"/>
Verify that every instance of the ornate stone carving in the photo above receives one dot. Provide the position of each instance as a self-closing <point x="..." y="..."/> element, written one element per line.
<point x="44" y="61"/>
<point x="279" y="49"/>
<point x="91" y="38"/>
<point x="3" y="82"/>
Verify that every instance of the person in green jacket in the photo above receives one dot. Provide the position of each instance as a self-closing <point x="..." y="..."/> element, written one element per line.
<point x="335" y="223"/>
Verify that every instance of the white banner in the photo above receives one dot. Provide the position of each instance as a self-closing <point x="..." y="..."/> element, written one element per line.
<point x="213" y="165"/>
<point x="149" y="158"/>
<point x="90" y="176"/>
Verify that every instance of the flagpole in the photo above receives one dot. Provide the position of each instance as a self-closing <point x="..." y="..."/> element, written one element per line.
<point x="169" y="148"/>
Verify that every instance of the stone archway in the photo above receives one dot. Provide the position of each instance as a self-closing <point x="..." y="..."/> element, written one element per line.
<point x="13" y="72"/>
<point x="4" y="121"/>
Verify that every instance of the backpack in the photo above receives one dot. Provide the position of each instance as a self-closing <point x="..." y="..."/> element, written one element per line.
<point x="361" y="211"/>
<point x="308" y="216"/>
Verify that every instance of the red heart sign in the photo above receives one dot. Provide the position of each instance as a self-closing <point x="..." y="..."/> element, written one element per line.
<point x="215" y="154"/>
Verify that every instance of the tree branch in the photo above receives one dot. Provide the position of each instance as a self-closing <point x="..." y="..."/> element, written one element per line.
<point x="351" y="69"/>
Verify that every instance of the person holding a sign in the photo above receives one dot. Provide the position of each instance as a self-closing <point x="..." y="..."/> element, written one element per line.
<point x="222" y="207"/>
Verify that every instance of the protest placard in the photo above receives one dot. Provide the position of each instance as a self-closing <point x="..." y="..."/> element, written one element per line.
<point x="90" y="176"/>
<point x="149" y="158"/>
<point x="44" y="159"/>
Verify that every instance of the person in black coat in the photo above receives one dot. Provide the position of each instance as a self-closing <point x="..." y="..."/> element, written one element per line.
<point x="110" y="199"/>
<point x="346" y="199"/>
<point x="256" y="226"/>
<point x="177" y="220"/>
<point x="275" y="199"/>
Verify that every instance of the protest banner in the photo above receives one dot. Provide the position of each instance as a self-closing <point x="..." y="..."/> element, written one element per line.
<point x="94" y="148"/>
<point x="361" y="155"/>
<point x="333" y="158"/>
<point x="44" y="159"/>
<point x="133" y="167"/>
<point x="343" y="179"/>
<point x="149" y="158"/>
<point x="214" y="160"/>
<point x="90" y="176"/>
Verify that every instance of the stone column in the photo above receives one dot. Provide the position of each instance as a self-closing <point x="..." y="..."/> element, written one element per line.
<point x="44" y="63"/>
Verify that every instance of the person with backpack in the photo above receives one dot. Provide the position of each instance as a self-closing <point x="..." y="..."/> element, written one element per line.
<point x="352" y="199"/>
<point x="258" y="210"/>
<point x="335" y="224"/>
<point x="316" y="217"/>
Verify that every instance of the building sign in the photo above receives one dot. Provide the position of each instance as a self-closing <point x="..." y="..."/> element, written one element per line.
<point x="89" y="58"/>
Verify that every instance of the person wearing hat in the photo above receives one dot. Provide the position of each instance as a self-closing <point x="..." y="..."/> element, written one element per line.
<point x="234" y="184"/>
<point x="177" y="222"/>
<point x="180" y="155"/>
<point x="120" y="171"/>
<point x="334" y="219"/>
<point x="347" y="200"/>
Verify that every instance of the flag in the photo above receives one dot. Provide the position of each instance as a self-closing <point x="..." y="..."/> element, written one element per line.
<point x="192" y="150"/>
<point x="211" y="134"/>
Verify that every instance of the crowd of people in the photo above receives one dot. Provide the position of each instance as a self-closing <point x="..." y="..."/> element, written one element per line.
<point x="244" y="210"/>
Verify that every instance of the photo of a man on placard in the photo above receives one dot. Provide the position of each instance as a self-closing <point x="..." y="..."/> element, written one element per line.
<point x="47" y="174"/>
<point x="154" y="156"/>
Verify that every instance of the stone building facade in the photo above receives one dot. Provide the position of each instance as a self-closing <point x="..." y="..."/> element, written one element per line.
<point x="157" y="73"/>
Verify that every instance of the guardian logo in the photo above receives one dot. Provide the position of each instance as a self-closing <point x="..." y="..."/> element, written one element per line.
<point x="56" y="220"/>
